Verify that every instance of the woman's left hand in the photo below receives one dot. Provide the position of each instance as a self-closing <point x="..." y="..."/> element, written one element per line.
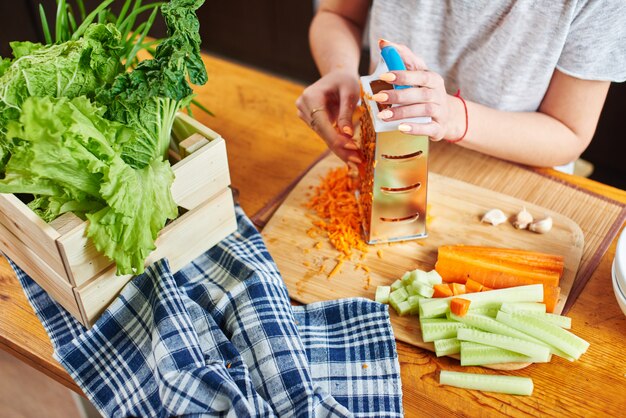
<point x="426" y="97"/>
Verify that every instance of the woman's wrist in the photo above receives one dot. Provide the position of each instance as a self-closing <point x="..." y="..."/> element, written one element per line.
<point x="457" y="118"/>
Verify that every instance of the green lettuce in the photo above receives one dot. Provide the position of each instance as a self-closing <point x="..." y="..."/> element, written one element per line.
<point x="68" y="155"/>
<point x="82" y="134"/>
<point x="148" y="97"/>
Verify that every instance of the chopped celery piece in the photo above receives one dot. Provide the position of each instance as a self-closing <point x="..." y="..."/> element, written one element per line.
<point x="414" y="301"/>
<point x="513" y="385"/>
<point x="475" y="354"/>
<point x="540" y="352"/>
<point x="432" y="331"/>
<point x="421" y="289"/>
<point x="528" y="293"/>
<point x="570" y="344"/>
<point x="523" y="307"/>
<point x="398" y="296"/>
<point x="433" y="277"/>
<point x="396" y="285"/>
<point x="382" y="294"/>
<point x="407" y="278"/>
<point x="403" y="308"/>
<point x="447" y="346"/>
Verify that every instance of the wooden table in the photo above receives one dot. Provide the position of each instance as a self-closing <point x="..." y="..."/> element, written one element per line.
<point x="268" y="148"/>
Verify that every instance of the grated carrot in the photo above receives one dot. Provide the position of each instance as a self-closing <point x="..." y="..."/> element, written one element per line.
<point x="335" y="269"/>
<point x="318" y="245"/>
<point x="379" y="253"/>
<point x="340" y="218"/>
<point x="306" y="264"/>
<point x="365" y="268"/>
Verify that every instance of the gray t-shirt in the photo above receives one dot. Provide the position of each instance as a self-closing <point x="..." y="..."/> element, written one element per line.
<point x="502" y="53"/>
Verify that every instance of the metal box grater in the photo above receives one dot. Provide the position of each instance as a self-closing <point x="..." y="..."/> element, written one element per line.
<point x="394" y="175"/>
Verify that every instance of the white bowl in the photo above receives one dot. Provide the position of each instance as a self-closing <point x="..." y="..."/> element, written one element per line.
<point x="619" y="264"/>
<point x="619" y="291"/>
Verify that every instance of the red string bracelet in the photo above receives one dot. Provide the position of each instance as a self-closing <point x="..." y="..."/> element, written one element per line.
<point x="454" y="141"/>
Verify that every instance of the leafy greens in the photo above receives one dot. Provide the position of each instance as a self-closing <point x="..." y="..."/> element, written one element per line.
<point x="83" y="135"/>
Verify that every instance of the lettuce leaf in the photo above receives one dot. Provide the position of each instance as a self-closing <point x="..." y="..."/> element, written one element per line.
<point x="68" y="155"/>
<point x="148" y="97"/>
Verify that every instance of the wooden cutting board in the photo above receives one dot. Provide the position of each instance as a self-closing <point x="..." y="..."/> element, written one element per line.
<point x="454" y="212"/>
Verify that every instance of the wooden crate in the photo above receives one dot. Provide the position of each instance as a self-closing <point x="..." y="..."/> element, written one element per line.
<point x="60" y="258"/>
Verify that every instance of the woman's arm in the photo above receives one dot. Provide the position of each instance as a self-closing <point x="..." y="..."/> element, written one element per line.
<point x="556" y="134"/>
<point x="328" y="104"/>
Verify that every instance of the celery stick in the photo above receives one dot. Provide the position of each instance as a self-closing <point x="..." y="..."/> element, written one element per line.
<point x="432" y="331"/>
<point x="518" y="345"/>
<point x="570" y="344"/>
<point x="475" y="354"/>
<point x="447" y="346"/>
<point x="523" y="307"/>
<point x="382" y="294"/>
<point x="396" y="285"/>
<point x="486" y="323"/>
<point x="554" y="319"/>
<point x="484" y="310"/>
<point x="513" y="385"/>
<point x="529" y="293"/>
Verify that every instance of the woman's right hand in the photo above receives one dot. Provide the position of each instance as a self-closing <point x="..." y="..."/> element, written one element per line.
<point x="327" y="107"/>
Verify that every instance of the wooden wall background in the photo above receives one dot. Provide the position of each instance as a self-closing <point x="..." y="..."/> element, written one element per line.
<point x="272" y="35"/>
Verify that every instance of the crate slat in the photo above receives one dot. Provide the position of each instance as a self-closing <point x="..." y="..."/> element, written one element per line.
<point x="28" y="260"/>
<point x="33" y="231"/>
<point x="181" y="241"/>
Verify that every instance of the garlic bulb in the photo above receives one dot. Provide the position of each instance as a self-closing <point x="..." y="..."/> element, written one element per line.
<point x="541" y="226"/>
<point x="523" y="219"/>
<point x="494" y="217"/>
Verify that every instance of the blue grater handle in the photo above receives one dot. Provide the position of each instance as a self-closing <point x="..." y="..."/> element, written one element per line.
<point x="394" y="62"/>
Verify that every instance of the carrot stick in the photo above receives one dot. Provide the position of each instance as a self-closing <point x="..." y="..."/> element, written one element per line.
<point x="551" y="297"/>
<point x="459" y="270"/>
<point x="526" y="259"/>
<point x="459" y="306"/>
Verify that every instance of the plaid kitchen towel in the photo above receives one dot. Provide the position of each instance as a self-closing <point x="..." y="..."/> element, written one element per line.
<point x="220" y="338"/>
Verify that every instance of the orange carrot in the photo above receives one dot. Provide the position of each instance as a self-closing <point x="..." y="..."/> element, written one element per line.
<point x="551" y="297"/>
<point x="457" y="289"/>
<point x="459" y="306"/>
<point x="442" y="291"/>
<point x="458" y="268"/>
<point x="524" y="259"/>
<point x="472" y="286"/>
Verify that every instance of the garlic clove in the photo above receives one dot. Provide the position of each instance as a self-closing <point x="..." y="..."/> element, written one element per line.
<point x="494" y="217"/>
<point x="523" y="219"/>
<point x="541" y="226"/>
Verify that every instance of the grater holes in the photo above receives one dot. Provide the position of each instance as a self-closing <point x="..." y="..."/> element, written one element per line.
<point x="405" y="157"/>
<point x="404" y="219"/>
<point x="397" y="190"/>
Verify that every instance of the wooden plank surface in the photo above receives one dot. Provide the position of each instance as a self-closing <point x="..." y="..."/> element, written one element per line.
<point x="268" y="148"/>
<point x="454" y="212"/>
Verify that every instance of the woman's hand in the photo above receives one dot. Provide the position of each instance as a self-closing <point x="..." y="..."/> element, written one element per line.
<point x="426" y="97"/>
<point x="327" y="107"/>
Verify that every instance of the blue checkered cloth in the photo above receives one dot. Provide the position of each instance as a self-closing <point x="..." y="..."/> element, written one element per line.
<point x="220" y="338"/>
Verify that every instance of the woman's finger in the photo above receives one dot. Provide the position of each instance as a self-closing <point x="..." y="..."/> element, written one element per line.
<point x="407" y="96"/>
<point x="411" y="111"/>
<point x="411" y="61"/>
<point x="432" y="130"/>
<point x="418" y="78"/>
